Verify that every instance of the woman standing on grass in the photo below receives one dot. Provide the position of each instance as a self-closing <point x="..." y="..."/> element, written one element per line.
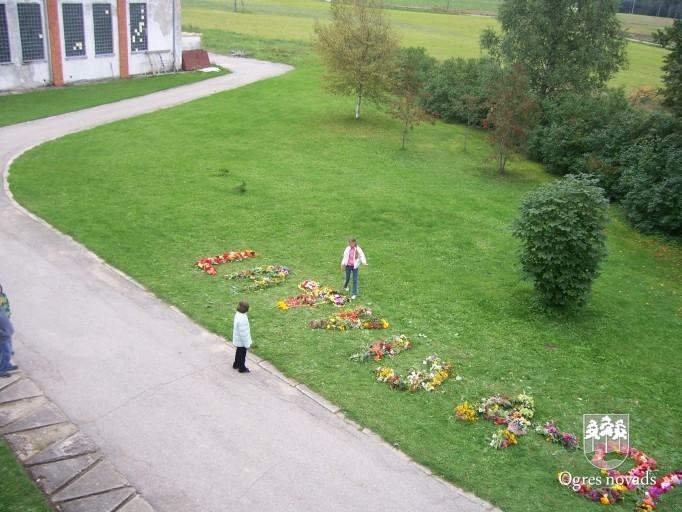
<point x="352" y="257"/>
<point x="241" y="337"/>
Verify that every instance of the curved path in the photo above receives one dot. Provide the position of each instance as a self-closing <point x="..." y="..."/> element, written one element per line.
<point x="156" y="394"/>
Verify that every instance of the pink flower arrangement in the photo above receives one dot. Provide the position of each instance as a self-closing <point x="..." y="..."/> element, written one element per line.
<point x="552" y="434"/>
<point x="662" y="485"/>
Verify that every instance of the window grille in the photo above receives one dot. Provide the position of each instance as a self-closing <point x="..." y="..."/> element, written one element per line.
<point x="5" y="55"/>
<point x="31" y="32"/>
<point x="74" y="33"/>
<point x="138" y="27"/>
<point x="101" y="19"/>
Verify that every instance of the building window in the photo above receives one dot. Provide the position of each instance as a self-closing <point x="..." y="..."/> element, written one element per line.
<point x="74" y="33"/>
<point x="138" y="27"/>
<point x="4" y="36"/>
<point x="104" y="38"/>
<point x="31" y="32"/>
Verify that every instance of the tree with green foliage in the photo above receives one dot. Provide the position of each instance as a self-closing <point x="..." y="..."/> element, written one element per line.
<point x="407" y="103"/>
<point x="358" y="49"/>
<point x="457" y="89"/>
<point x="564" y="45"/>
<point x="651" y="178"/>
<point x="568" y="136"/>
<point x="513" y="114"/>
<point x="562" y="231"/>
<point x="671" y="38"/>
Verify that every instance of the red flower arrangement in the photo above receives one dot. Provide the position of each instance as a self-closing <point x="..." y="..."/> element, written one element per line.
<point x="207" y="264"/>
<point x="381" y="348"/>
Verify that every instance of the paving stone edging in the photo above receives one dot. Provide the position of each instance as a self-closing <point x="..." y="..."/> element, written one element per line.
<point x="66" y="465"/>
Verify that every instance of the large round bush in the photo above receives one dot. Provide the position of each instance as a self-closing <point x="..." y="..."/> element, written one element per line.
<point x="561" y="228"/>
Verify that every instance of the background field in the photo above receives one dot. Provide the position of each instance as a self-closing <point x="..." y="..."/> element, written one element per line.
<point x="443" y="35"/>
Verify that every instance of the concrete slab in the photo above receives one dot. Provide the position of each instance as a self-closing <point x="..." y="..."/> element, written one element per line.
<point x="45" y="415"/>
<point x="8" y="381"/>
<point x="137" y="504"/>
<point x="31" y="443"/>
<point x="54" y="475"/>
<point x="107" y="502"/>
<point x="100" y="477"/>
<point x="75" y="444"/>
<point x="20" y="389"/>
<point x="11" y="411"/>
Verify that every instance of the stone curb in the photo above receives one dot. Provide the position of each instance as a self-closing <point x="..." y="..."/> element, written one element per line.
<point x="65" y="464"/>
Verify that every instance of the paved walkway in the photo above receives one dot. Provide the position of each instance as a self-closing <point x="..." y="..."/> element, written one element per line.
<point x="124" y="404"/>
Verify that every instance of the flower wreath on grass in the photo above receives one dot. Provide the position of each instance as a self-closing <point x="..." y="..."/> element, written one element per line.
<point x="466" y="412"/>
<point x="207" y="264"/>
<point x="262" y="277"/>
<point x="664" y="484"/>
<point x="377" y="350"/>
<point x="552" y="435"/>
<point x="511" y="414"/>
<point x="502" y="410"/>
<point x="515" y="413"/>
<point x="359" y="318"/>
<point x="314" y="295"/>
<point x="609" y="495"/>
<point x="438" y="372"/>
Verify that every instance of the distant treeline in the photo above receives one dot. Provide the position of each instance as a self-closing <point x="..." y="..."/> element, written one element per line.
<point x="663" y="8"/>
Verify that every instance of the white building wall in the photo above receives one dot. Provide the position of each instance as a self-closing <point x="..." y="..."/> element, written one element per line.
<point x="15" y="75"/>
<point x="161" y="34"/>
<point x="164" y="52"/>
<point x="91" y="66"/>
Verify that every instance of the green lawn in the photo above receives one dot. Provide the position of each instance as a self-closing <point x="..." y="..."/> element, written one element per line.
<point x="17" y="492"/>
<point x="433" y="221"/>
<point x="443" y="35"/>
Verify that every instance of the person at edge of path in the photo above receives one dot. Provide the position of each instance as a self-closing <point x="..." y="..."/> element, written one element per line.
<point x="4" y="302"/>
<point x="352" y="257"/>
<point x="6" y="331"/>
<point x="241" y="336"/>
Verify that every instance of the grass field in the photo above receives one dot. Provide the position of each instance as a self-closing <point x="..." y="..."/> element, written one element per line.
<point x="17" y="491"/>
<point x="443" y="35"/>
<point x="433" y="221"/>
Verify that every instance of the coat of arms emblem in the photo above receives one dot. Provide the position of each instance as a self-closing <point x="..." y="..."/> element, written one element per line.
<point x="606" y="439"/>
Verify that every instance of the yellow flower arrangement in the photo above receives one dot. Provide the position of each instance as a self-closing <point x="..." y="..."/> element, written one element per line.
<point x="466" y="412"/>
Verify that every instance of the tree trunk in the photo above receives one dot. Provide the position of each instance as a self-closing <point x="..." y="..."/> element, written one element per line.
<point x="357" y="106"/>
<point x="501" y="158"/>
